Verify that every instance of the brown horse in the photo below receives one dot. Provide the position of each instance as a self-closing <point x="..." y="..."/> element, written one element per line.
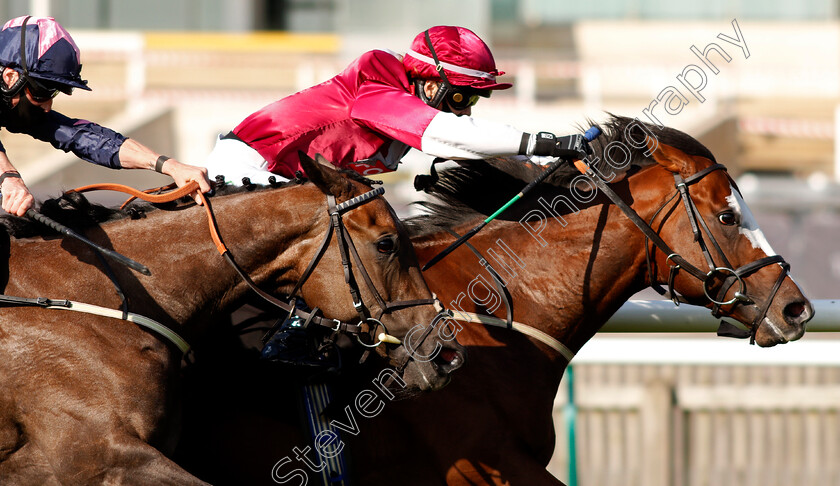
<point x="92" y="400"/>
<point x="569" y="258"/>
<point x="575" y="264"/>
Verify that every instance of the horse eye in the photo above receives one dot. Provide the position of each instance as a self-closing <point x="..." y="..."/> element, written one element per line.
<point x="386" y="245"/>
<point x="728" y="218"/>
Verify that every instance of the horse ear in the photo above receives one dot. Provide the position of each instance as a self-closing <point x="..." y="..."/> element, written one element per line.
<point x="672" y="159"/>
<point x="321" y="173"/>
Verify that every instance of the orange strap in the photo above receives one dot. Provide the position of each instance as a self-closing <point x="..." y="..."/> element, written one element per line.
<point x="154" y="190"/>
<point x="214" y="229"/>
<point x="163" y="198"/>
<point x="152" y="198"/>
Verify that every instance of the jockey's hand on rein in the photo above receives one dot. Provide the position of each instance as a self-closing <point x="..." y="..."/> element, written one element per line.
<point x="569" y="147"/>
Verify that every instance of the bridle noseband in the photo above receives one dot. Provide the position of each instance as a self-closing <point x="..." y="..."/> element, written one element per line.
<point x="677" y="262"/>
<point x="731" y="276"/>
<point x="346" y="248"/>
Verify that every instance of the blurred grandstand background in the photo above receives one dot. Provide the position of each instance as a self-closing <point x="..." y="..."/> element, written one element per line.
<point x="175" y="73"/>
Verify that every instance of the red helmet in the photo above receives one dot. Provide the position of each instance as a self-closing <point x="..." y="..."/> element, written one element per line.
<point x="462" y="56"/>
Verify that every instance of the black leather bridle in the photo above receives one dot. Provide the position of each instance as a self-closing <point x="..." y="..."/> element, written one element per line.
<point x="346" y="249"/>
<point x="677" y="262"/>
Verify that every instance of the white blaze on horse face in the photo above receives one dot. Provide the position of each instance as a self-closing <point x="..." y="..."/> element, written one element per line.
<point x="749" y="226"/>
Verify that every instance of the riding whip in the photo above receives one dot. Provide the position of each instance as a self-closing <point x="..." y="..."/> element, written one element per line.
<point x="590" y="135"/>
<point x="69" y="232"/>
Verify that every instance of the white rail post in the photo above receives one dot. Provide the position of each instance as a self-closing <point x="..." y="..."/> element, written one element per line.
<point x="657" y="433"/>
<point x="837" y="143"/>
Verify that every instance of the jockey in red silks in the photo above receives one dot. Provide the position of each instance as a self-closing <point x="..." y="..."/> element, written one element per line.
<point x="367" y="117"/>
<point x="39" y="60"/>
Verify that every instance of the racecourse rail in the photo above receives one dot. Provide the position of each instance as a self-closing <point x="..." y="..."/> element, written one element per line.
<point x="646" y="316"/>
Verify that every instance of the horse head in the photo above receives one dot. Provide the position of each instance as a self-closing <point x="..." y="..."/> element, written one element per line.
<point x="652" y="208"/>
<point x="718" y="256"/>
<point x="382" y="287"/>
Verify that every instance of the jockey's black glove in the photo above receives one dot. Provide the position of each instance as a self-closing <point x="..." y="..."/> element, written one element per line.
<point x="570" y="147"/>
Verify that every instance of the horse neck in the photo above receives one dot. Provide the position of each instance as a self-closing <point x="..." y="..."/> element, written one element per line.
<point x="189" y="278"/>
<point x="568" y="287"/>
<point x="263" y="233"/>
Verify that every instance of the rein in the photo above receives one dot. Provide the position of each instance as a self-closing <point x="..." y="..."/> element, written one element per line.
<point x="346" y="248"/>
<point x="699" y="226"/>
<point x="591" y="134"/>
<point x="508" y="322"/>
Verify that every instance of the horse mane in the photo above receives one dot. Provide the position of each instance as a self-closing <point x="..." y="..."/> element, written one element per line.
<point x="478" y="188"/>
<point x="74" y="210"/>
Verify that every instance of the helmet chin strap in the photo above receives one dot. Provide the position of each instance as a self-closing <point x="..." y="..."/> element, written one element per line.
<point x="6" y="92"/>
<point x="9" y="92"/>
<point x="443" y="88"/>
<point x="434" y="101"/>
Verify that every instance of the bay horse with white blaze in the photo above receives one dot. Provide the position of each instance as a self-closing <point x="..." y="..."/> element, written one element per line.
<point x="569" y="268"/>
<point x="92" y="400"/>
<point x="569" y="257"/>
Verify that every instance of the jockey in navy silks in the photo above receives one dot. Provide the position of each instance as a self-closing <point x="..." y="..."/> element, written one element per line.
<point x="367" y="117"/>
<point x="39" y="60"/>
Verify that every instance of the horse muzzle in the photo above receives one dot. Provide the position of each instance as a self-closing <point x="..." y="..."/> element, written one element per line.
<point x="428" y="369"/>
<point x="784" y="326"/>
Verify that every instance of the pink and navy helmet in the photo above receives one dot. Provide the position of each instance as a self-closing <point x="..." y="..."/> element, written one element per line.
<point x="461" y="54"/>
<point x="48" y="51"/>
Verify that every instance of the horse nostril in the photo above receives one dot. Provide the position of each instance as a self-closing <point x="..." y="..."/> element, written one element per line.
<point x="795" y="310"/>
<point x="449" y="360"/>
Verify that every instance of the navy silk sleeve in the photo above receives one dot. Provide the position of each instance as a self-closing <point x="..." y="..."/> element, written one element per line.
<point x="85" y="139"/>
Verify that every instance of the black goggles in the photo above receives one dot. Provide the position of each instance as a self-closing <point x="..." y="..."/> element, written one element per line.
<point x="463" y="98"/>
<point x="41" y="92"/>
